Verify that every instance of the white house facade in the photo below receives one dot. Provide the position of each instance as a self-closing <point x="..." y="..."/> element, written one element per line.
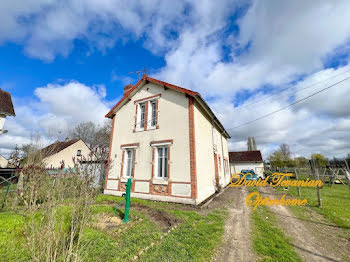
<point x="61" y="152"/>
<point x="169" y="142"/>
<point x="3" y="162"/>
<point x="243" y="160"/>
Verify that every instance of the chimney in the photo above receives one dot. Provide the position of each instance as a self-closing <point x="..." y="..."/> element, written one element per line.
<point x="127" y="88"/>
<point x="67" y="139"/>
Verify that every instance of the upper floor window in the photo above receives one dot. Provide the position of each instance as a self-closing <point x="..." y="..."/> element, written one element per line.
<point x="215" y="142"/>
<point x="146" y="113"/>
<point x="153" y="112"/>
<point x="78" y="152"/>
<point x="142" y="114"/>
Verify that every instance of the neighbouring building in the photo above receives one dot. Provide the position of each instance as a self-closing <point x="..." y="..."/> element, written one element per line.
<point x="3" y="162"/>
<point x="6" y="108"/>
<point x="65" y="151"/>
<point x="167" y="139"/>
<point x="251" y="160"/>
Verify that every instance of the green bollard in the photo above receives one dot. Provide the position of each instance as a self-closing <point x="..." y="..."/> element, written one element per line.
<point x="127" y="201"/>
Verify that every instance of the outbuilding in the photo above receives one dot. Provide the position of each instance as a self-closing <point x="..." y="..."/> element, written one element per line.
<point x="243" y="160"/>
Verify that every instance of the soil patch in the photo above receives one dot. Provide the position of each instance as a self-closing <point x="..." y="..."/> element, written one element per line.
<point x="236" y="244"/>
<point x="107" y="222"/>
<point x="163" y="219"/>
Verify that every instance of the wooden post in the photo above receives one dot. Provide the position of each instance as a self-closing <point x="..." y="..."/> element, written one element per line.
<point x="315" y="171"/>
<point x="297" y="178"/>
<point x="347" y="173"/>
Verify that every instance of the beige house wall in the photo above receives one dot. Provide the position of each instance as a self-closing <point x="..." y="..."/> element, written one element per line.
<point x="3" y="161"/>
<point x="173" y="121"/>
<point x="258" y="167"/>
<point x="222" y="153"/>
<point x="67" y="154"/>
<point x="204" y="155"/>
<point x="173" y="125"/>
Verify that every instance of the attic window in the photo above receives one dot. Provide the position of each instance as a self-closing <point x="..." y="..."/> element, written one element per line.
<point x="79" y="153"/>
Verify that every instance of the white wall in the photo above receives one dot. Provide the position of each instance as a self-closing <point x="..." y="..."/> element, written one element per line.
<point x="204" y="155"/>
<point x="173" y="124"/>
<point x="257" y="167"/>
<point x="3" y="161"/>
<point x="67" y="155"/>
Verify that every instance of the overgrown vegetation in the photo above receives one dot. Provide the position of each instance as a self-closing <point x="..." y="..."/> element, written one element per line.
<point x="194" y="238"/>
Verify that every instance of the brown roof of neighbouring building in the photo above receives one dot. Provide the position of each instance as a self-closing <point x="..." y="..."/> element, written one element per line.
<point x="57" y="147"/>
<point x="246" y="156"/>
<point x="6" y="106"/>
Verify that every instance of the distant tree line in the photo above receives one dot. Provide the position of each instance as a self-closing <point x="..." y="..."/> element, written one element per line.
<point x="283" y="158"/>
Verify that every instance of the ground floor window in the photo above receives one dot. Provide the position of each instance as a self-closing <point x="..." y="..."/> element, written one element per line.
<point x="162" y="162"/>
<point x="129" y="162"/>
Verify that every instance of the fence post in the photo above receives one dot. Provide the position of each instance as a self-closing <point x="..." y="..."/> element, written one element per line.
<point x="297" y="178"/>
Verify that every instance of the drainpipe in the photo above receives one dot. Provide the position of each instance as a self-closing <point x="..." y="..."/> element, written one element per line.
<point x="223" y="159"/>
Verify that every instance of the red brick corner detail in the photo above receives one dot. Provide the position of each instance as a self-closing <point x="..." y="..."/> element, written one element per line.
<point x="193" y="166"/>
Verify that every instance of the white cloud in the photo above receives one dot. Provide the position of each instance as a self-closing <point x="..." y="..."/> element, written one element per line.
<point x="57" y="108"/>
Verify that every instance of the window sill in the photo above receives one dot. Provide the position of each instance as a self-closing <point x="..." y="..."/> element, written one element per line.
<point x="160" y="181"/>
<point x="124" y="179"/>
<point x="151" y="128"/>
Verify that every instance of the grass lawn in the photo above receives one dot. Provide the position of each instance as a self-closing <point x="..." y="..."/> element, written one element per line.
<point x="335" y="202"/>
<point x="194" y="238"/>
<point x="268" y="239"/>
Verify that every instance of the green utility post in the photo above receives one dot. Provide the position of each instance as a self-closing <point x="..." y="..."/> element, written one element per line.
<point x="127" y="201"/>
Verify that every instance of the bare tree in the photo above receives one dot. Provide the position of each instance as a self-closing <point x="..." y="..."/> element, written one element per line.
<point x="92" y="134"/>
<point x="285" y="150"/>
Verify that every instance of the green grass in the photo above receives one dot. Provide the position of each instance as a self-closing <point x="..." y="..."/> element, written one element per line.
<point x="335" y="202"/>
<point x="268" y="239"/>
<point x="101" y="246"/>
<point x="12" y="239"/>
<point x="193" y="240"/>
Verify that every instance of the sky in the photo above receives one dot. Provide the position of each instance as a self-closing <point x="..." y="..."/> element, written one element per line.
<point x="66" y="62"/>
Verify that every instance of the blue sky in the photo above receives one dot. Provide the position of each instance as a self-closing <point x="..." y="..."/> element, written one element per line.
<point x="22" y="74"/>
<point x="67" y="62"/>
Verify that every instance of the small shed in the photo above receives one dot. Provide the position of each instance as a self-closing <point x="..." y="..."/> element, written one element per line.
<point x="251" y="160"/>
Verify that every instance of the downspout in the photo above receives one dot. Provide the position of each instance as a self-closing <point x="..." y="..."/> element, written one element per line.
<point x="223" y="159"/>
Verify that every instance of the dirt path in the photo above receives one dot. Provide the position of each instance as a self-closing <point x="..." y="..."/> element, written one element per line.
<point x="312" y="240"/>
<point x="237" y="245"/>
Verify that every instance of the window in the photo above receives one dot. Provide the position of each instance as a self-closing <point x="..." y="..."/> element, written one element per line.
<point x="226" y="166"/>
<point x="153" y="113"/>
<point x="214" y="138"/>
<point x="128" y="162"/>
<point x="142" y="115"/>
<point x="79" y="153"/>
<point x="219" y="162"/>
<point x="162" y="162"/>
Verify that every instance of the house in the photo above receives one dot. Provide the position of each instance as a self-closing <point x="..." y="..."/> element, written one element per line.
<point x="167" y="139"/>
<point x="3" y="162"/>
<point x="65" y="151"/>
<point x="251" y="160"/>
<point x="6" y="108"/>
